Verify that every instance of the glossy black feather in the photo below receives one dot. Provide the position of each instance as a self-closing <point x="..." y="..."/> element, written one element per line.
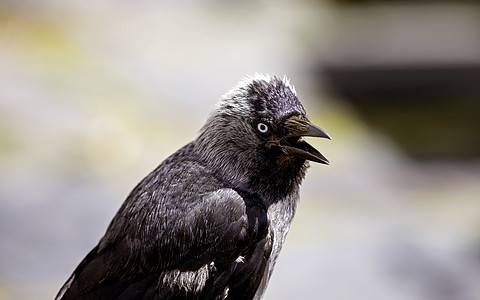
<point x="159" y="229"/>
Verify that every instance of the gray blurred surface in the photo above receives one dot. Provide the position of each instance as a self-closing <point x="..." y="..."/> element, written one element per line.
<point x="94" y="95"/>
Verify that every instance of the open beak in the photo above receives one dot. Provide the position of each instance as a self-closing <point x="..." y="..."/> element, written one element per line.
<point x="294" y="144"/>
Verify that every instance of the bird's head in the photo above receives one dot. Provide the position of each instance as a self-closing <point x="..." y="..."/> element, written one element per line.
<point x="259" y="126"/>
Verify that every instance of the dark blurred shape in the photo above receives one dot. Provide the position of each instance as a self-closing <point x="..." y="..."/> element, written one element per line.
<point x="411" y="70"/>
<point x="431" y="112"/>
<point x="377" y="83"/>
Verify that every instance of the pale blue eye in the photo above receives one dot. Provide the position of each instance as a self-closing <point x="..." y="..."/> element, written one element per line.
<point x="262" y="127"/>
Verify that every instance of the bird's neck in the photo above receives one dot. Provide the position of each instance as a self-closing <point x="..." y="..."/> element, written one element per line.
<point x="279" y="181"/>
<point x="272" y="180"/>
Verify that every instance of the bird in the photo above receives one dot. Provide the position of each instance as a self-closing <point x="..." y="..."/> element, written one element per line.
<point x="209" y="222"/>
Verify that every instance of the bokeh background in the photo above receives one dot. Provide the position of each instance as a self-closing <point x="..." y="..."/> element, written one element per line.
<point x="95" y="94"/>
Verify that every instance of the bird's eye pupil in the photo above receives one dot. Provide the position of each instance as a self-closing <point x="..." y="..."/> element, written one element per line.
<point x="262" y="127"/>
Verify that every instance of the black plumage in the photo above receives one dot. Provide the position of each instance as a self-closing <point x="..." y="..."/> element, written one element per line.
<point x="209" y="222"/>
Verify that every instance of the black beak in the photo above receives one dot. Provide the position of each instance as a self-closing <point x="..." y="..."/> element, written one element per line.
<point x="295" y="145"/>
<point x="314" y="130"/>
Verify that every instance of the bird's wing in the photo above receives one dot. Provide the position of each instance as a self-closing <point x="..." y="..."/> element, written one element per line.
<point x="204" y="248"/>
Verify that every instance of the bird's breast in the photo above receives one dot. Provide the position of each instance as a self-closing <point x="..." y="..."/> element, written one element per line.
<point x="280" y="215"/>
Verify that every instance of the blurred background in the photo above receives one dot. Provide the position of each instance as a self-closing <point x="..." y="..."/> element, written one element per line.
<point x="95" y="94"/>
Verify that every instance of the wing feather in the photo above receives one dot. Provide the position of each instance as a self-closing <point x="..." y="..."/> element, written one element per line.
<point x="161" y="241"/>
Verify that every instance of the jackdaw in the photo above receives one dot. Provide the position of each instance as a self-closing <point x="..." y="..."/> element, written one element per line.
<point x="210" y="220"/>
